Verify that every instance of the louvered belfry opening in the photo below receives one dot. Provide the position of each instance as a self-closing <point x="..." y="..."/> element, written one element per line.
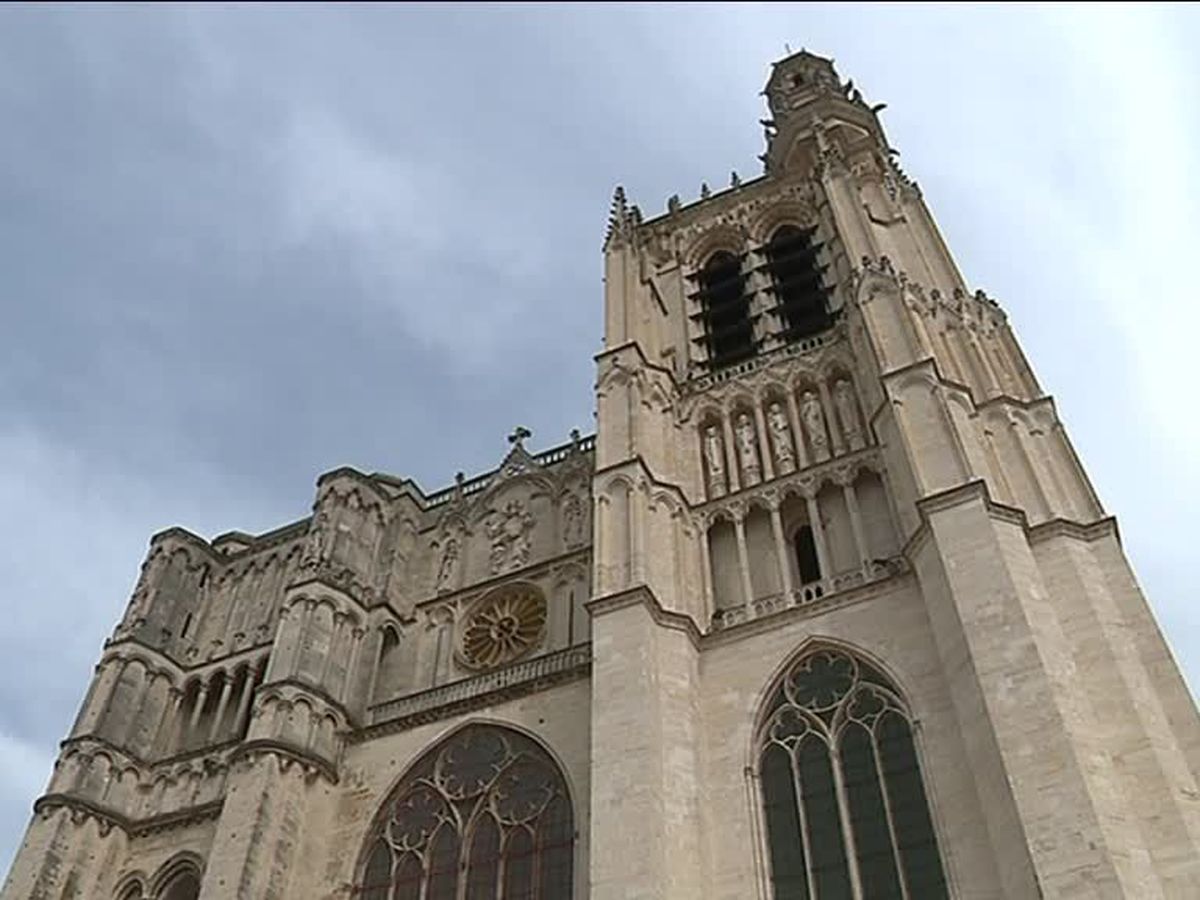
<point x="797" y="282"/>
<point x="725" y="310"/>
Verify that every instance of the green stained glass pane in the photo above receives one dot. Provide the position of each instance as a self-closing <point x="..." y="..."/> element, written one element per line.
<point x="484" y="865"/>
<point x="443" y="865"/>
<point x="919" y="855"/>
<point x="788" y="878"/>
<point x="868" y="817"/>
<point x="826" y="844"/>
<point x="378" y="876"/>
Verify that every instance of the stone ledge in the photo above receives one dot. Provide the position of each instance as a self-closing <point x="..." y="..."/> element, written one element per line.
<point x="132" y="827"/>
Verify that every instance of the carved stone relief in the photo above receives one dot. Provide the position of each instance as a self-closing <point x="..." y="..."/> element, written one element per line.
<point x="508" y="532"/>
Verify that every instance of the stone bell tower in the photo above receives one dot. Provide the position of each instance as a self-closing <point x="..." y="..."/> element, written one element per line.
<point x="802" y="407"/>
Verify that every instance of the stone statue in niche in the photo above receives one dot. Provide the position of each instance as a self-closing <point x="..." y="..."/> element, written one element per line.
<point x="509" y="534"/>
<point x="747" y="454"/>
<point x="843" y="399"/>
<point x="781" y="439"/>
<point x="449" y="565"/>
<point x="318" y="546"/>
<point x="572" y="527"/>
<point x="814" y="424"/>
<point x="714" y="454"/>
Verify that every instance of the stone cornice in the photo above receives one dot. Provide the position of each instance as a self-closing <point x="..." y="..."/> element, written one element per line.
<point x="645" y="361"/>
<point x="1087" y="532"/>
<point x="977" y="490"/>
<point x="288" y="754"/>
<point x="641" y="594"/>
<point x="176" y="819"/>
<point x="132" y="827"/>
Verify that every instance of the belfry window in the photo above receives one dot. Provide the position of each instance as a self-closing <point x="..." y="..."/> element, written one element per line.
<point x="843" y="798"/>
<point x="725" y="310"/>
<point x="797" y="282"/>
<point x="484" y="814"/>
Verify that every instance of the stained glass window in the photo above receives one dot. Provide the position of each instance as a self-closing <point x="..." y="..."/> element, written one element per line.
<point x="843" y="799"/>
<point x="484" y="814"/>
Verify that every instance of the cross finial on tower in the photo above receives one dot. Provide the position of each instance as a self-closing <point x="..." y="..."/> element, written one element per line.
<point x="519" y="434"/>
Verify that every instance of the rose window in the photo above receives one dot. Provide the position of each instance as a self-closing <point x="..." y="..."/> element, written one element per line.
<point x="504" y="626"/>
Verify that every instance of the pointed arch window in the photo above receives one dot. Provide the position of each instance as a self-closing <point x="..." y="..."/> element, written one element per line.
<point x="843" y="798"/>
<point x="482" y="815"/>
<point x="725" y="310"/>
<point x="797" y="281"/>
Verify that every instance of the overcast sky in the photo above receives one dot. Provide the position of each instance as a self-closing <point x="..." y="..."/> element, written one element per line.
<point x="243" y="246"/>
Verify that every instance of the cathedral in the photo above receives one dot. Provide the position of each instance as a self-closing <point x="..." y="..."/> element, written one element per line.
<point x="826" y="609"/>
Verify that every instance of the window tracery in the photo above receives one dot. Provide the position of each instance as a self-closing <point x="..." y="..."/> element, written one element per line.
<point x="484" y="814"/>
<point x="843" y="798"/>
<point x="504" y="626"/>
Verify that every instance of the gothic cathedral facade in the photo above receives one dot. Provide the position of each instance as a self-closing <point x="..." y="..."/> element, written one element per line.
<point x="827" y="608"/>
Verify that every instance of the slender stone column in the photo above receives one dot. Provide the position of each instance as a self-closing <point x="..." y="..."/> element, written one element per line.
<point x="335" y="636"/>
<point x="785" y="569"/>
<point x="731" y="464"/>
<point x="637" y="538"/>
<point x="377" y="639"/>
<point x="165" y="733"/>
<point x="215" y="728"/>
<point x="764" y="447"/>
<point x="706" y="576"/>
<point x="856" y="525"/>
<point x="357" y="635"/>
<point x="818" y="530"/>
<point x="797" y="434"/>
<point x="743" y="559"/>
<point x="136" y="708"/>
<point x="243" y="707"/>
<point x="837" y="441"/>
<point x="201" y="697"/>
<point x="106" y="682"/>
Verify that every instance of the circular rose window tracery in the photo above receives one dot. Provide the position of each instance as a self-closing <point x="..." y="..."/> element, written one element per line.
<point x="503" y="626"/>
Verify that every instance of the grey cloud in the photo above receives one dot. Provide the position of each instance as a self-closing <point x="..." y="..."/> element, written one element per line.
<point x="243" y="245"/>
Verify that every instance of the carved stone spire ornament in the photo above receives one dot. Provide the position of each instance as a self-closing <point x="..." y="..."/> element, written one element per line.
<point x="518" y="436"/>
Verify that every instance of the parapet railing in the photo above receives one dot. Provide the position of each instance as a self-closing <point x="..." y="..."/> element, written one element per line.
<point x="805" y="594"/>
<point x="549" y="666"/>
